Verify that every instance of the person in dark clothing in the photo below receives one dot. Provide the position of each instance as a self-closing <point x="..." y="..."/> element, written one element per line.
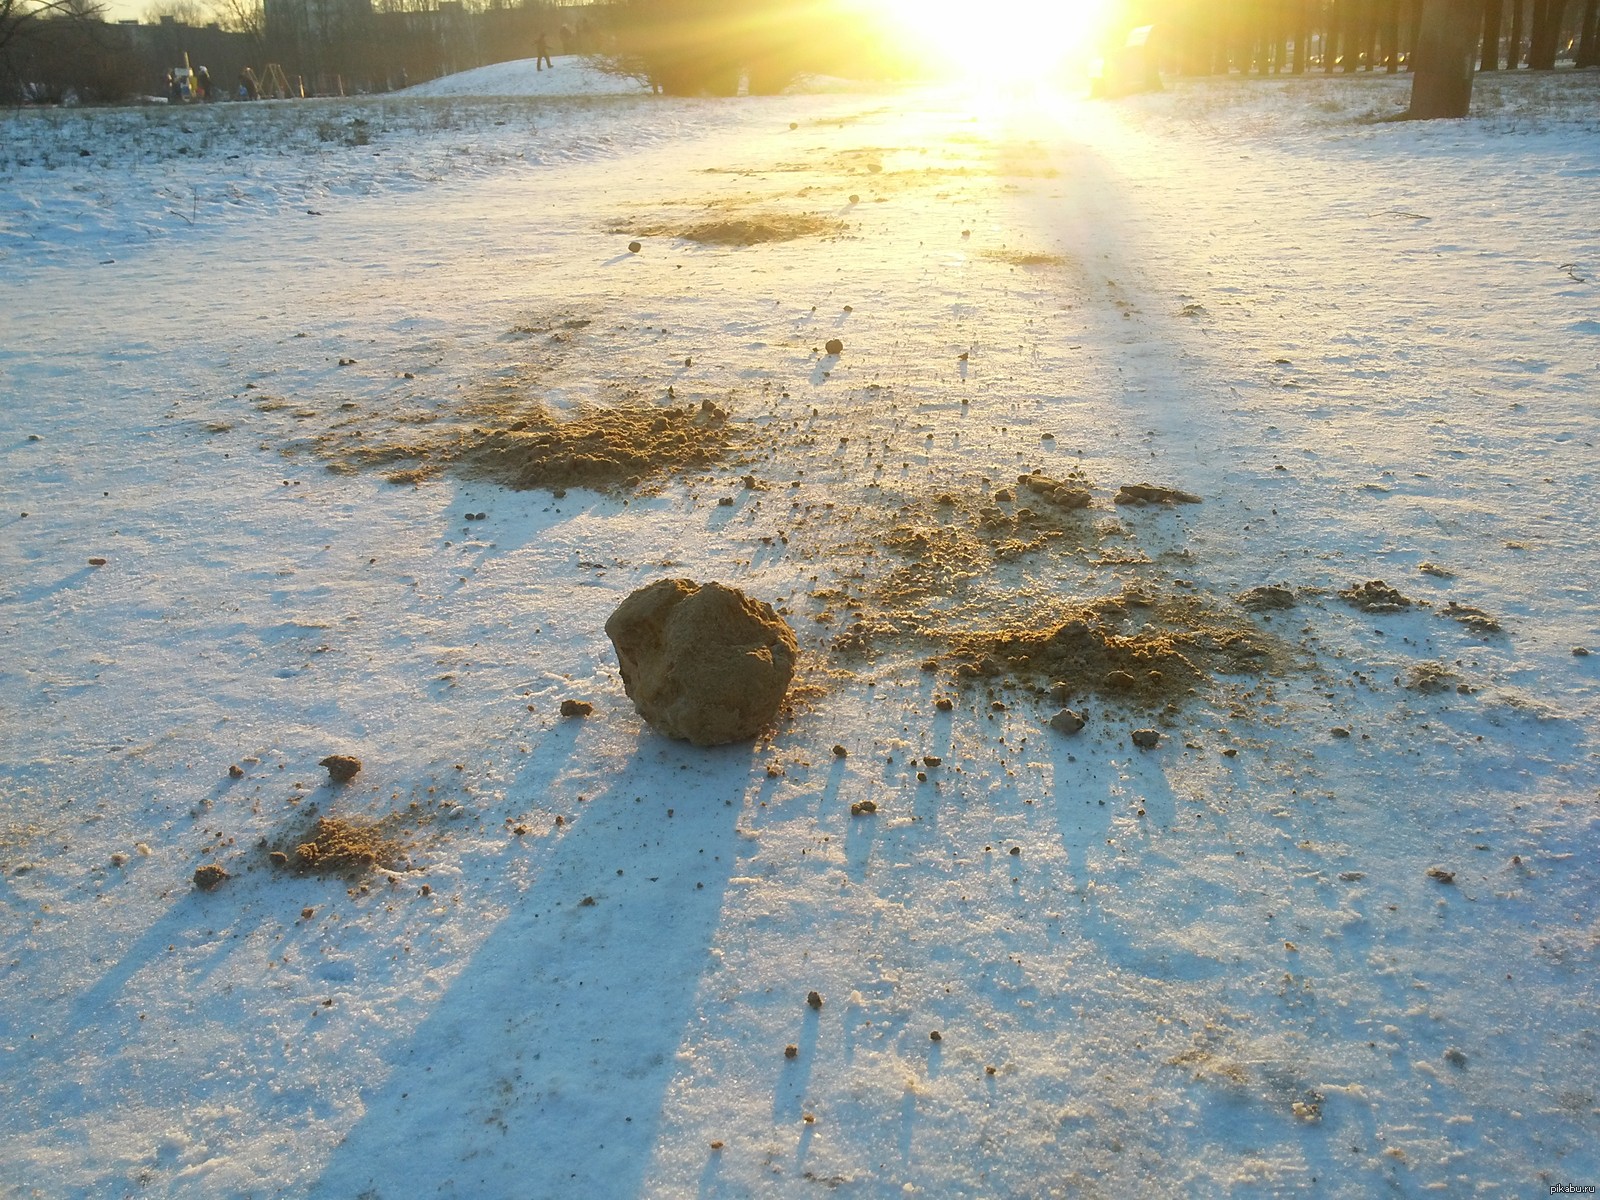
<point x="541" y="48"/>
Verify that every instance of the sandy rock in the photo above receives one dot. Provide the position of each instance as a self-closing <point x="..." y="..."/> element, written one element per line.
<point x="1066" y="721"/>
<point x="703" y="663"/>
<point x="1057" y="492"/>
<point x="1375" y="596"/>
<point x="209" y="877"/>
<point x="341" y="767"/>
<point x="1146" y="739"/>
<point x="1269" y="597"/>
<point x="1149" y="493"/>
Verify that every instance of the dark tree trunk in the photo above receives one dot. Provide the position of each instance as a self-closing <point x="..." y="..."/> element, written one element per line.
<point x="1390" y="22"/>
<point x="1514" y="48"/>
<point x="1416" y="31"/>
<point x="1300" y="28"/>
<point x="1368" y="41"/>
<point x="1547" y="18"/>
<point x="1589" y="37"/>
<point x="1441" y="85"/>
<point x="1490" y="60"/>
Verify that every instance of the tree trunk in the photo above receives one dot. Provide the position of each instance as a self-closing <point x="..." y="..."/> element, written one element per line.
<point x="1301" y="24"/>
<point x="1492" y="10"/>
<point x="1441" y="84"/>
<point x="1589" y="38"/>
<point x="1391" y="35"/>
<point x="1514" y="49"/>
<point x="1548" y="16"/>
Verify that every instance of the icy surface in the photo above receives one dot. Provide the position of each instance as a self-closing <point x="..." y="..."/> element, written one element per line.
<point x="1335" y="934"/>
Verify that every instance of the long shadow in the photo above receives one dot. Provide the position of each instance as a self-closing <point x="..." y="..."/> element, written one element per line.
<point x="540" y="1071"/>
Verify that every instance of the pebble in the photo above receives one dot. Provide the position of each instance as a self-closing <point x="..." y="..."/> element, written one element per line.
<point x="814" y="999"/>
<point x="833" y="346"/>
<point x="1066" y="721"/>
<point x="1146" y="739"/>
<point x="634" y="247"/>
<point x="576" y="708"/>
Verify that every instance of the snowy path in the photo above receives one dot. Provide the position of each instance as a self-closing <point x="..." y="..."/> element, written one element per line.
<point x="1215" y="968"/>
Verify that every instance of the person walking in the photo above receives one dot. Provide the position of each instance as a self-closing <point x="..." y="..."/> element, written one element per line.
<point x="541" y="48"/>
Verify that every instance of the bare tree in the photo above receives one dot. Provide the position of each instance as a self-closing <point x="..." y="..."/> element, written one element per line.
<point x="19" y="17"/>
<point x="242" y="16"/>
<point x="184" y="12"/>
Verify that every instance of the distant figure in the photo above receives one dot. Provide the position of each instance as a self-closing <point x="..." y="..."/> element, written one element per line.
<point x="249" y="87"/>
<point x="203" y="84"/>
<point x="173" y="94"/>
<point x="541" y="49"/>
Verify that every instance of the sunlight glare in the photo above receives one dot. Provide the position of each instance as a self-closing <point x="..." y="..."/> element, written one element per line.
<point x="999" y="41"/>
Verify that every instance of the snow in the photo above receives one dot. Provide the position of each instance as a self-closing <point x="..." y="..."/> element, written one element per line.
<point x="567" y="75"/>
<point x="1217" y="967"/>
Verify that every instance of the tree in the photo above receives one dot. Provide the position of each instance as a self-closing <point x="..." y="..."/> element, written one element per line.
<point x="1589" y="35"/>
<point x="1545" y="35"/>
<point x="242" y="16"/>
<point x="18" y="18"/>
<point x="1441" y="84"/>
<point x="686" y="47"/>
<point x="1492" y="12"/>
<point x="23" y="21"/>
<point x="184" y="12"/>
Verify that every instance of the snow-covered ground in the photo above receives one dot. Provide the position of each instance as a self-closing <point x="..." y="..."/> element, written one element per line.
<point x="1335" y="934"/>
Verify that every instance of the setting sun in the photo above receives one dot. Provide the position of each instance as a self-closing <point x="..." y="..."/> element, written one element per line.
<point x="1002" y="40"/>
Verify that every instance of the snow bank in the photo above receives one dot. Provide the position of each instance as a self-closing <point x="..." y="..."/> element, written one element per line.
<point x="570" y="75"/>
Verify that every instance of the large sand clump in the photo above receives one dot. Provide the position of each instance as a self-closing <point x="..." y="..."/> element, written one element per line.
<point x="704" y="663"/>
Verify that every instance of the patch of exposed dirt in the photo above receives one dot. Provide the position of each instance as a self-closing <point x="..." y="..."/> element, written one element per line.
<point x="1269" y="597"/>
<point x="1474" y="618"/>
<point x="750" y="229"/>
<point x="1375" y="596"/>
<point x="522" y="445"/>
<point x="1139" y="646"/>
<point x="1431" y="678"/>
<point x="956" y="536"/>
<point x="976" y="580"/>
<point x="1024" y="258"/>
<point x="342" y="845"/>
